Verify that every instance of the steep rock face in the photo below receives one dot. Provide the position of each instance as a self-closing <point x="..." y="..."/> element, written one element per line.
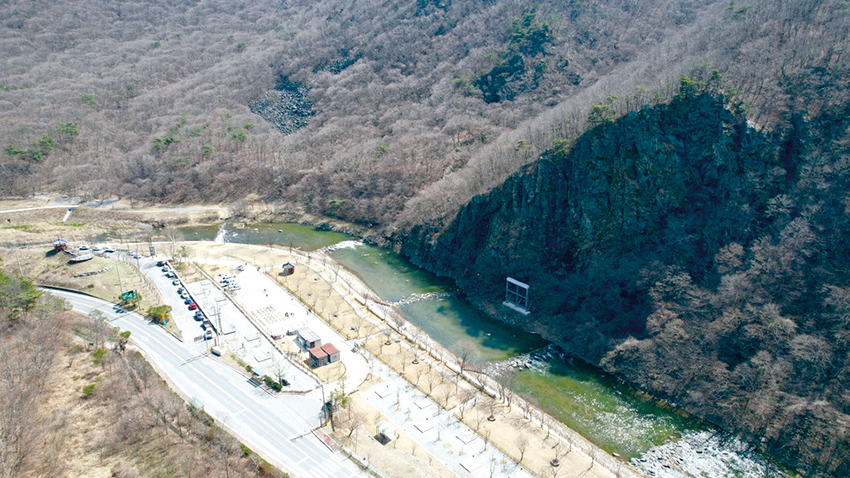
<point x="696" y="257"/>
<point x="670" y="184"/>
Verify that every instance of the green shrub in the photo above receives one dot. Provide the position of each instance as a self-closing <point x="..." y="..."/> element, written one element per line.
<point x="161" y="144"/>
<point x="90" y="100"/>
<point x="69" y="129"/>
<point x="88" y="390"/>
<point x="274" y="385"/>
<point x="156" y="313"/>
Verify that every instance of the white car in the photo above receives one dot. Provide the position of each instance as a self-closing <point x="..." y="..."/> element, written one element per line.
<point x="109" y="250"/>
<point x="84" y="247"/>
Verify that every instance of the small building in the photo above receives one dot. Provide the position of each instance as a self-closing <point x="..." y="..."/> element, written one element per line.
<point x="60" y="245"/>
<point x="288" y="269"/>
<point x="333" y="353"/>
<point x="308" y="338"/>
<point x="318" y="357"/>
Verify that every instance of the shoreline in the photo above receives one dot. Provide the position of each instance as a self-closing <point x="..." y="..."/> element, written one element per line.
<point x="197" y="215"/>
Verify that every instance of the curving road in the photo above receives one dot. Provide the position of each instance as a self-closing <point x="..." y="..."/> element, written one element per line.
<point x="279" y="428"/>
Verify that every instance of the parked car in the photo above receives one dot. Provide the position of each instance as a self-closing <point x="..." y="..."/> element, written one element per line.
<point x="109" y="250"/>
<point x="95" y="249"/>
<point x="84" y="247"/>
<point x="208" y="334"/>
<point x="175" y="282"/>
<point x="160" y="263"/>
<point x="165" y="269"/>
<point x="199" y="316"/>
<point x="180" y="290"/>
<point x="193" y="306"/>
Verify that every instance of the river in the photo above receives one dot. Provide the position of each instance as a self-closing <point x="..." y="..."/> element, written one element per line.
<point x="612" y="415"/>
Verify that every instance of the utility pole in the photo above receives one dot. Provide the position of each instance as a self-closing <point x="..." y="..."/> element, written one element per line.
<point x="18" y="259"/>
<point x="118" y="270"/>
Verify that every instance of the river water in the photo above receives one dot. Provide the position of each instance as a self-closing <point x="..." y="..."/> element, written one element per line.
<point x="612" y="415"/>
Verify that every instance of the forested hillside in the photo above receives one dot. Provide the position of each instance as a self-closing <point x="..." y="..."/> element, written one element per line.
<point x="689" y="235"/>
<point x="699" y="258"/>
<point x="377" y="112"/>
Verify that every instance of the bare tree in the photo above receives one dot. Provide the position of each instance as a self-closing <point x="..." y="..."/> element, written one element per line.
<point x="466" y="401"/>
<point x="467" y="355"/>
<point x="397" y="320"/>
<point x="433" y="379"/>
<point x="355" y="420"/>
<point x="521" y="441"/>
<point x="505" y="380"/>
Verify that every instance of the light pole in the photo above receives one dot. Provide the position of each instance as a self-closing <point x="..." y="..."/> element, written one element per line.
<point x="118" y="270"/>
<point x="18" y="259"/>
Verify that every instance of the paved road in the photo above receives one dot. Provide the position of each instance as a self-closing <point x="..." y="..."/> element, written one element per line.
<point x="278" y="428"/>
<point x="36" y="208"/>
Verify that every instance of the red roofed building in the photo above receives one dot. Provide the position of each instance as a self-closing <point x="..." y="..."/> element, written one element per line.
<point x="333" y="353"/>
<point x="318" y="357"/>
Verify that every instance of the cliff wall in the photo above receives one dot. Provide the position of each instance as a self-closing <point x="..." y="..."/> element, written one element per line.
<point x="699" y="258"/>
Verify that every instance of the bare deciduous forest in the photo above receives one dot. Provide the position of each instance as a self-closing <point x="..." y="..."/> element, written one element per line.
<point x="697" y="238"/>
<point x="699" y="258"/>
<point x="410" y="108"/>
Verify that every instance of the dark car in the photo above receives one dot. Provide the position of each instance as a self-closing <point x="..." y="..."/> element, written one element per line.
<point x="199" y="315"/>
<point x="160" y="263"/>
<point x="188" y="300"/>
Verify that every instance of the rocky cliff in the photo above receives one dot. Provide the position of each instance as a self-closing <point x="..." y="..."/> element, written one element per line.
<point x="693" y="255"/>
<point x="665" y="185"/>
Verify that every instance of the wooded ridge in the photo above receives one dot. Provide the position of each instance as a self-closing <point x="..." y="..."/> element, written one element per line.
<point x="689" y="253"/>
<point x="380" y="113"/>
<point x="687" y="233"/>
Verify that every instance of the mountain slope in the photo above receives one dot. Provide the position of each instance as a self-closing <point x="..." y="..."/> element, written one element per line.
<point x="397" y="112"/>
<point x="692" y="255"/>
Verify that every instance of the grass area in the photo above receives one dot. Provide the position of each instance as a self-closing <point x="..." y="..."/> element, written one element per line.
<point x="23" y="227"/>
<point x="329" y="373"/>
<point x="107" y="280"/>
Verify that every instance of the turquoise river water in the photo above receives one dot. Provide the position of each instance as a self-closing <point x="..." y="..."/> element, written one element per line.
<point x="594" y="404"/>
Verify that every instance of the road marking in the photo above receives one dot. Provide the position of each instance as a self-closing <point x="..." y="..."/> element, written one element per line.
<point x="293" y="445"/>
<point x="197" y="372"/>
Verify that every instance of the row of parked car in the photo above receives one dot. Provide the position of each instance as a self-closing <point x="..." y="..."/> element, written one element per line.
<point x="184" y="294"/>
<point x="229" y="283"/>
<point x="106" y="249"/>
